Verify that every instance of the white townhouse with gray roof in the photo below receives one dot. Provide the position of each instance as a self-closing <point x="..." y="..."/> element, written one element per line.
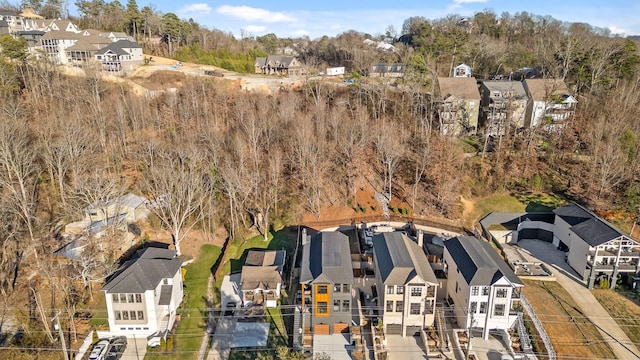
<point x="144" y="295"/>
<point x="407" y="285"/>
<point x="480" y="284"/>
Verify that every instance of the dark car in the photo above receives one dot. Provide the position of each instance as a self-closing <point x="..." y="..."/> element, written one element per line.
<point x="231" y="308"/>
<point x="117" y="347"/>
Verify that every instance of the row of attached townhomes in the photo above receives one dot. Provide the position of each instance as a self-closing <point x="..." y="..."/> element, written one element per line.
<point x="63" y="42"/>
<point x="593" y="247"/>
<point x="467" y="104"/>
<point x="481" y="288"/>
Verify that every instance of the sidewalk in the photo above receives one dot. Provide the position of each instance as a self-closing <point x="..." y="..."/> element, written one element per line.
<point x="611" y="332"/>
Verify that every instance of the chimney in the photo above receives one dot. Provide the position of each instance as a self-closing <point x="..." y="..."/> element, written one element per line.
<point x="304" y="236"/>
<point x="419" y="236"/>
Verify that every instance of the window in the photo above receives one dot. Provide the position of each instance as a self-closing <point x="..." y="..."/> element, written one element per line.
<point x="125" y="315"/>
<point x="115" y="298"/>
<point x="337" y="288"/>
<point x="140" y="315"/>
<point x="389" y="306"/>
<point x="346" y="304"/>
<point x="475" y="291"/>
<point x="118" y="315"/>
<point x="123" y="298"/>
<point x="389" y="289"/>
<point x="473" y="308"/>
<point x="399" y="306"/>
<point x="414" y="309"/>
<point x="336" y="305"/>
<point x="416" y="291"/>
<point x="498" y="310"/>
<point x="322" y="307"/>
<point x="485" y="290"/>
<point x="501" y="293"/>
<point x="400" y="290"/>
<point x="483" y="308"/>
<point x="138" y="298"/>
<point x="132" y="315"/>
<point x="130" y="298"/>
<point x="345" y="288"/>
<point x="322" y="289"/>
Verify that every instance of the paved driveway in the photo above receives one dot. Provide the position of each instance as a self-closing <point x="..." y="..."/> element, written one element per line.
<point x="136" y="349"/>
<point x="611" y="332"/>
<point x="405" y="348"/>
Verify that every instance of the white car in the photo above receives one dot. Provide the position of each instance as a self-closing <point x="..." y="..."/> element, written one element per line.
<point x="99" y="350"/>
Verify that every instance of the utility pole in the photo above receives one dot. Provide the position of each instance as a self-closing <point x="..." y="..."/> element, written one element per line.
<point x="62" y="340"/>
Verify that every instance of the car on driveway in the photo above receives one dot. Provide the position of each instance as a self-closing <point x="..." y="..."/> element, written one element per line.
<point x="231" y="308"/>
<point x="116" y="348"/>
<point x="99" y="350"/>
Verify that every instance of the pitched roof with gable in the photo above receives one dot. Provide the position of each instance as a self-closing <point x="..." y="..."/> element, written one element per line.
<point x="515" y="86"/>
<point x="61" y="35"/>
<point x="264" y="277"/>
<point x="326" y="257"/>
<point x="541" y="89"/>
<point x="129" y="200"/>
<point x="478" y="262"/>
<point x="399" y="259"/>
<point x="266" y="258"/>
<point x="118" y="47"/>
<point x="89" y="43"/>
<point x="465" y="88"/>
<point x="144" y="271"/>
<point x="591" y="228"/>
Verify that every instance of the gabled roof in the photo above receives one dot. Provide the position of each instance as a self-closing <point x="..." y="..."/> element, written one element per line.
<point x="144" y="271"/>
<point x="118" y="47"/>
<point x="541" y="89"/>
<point x="61" y="35"/>
<point x="264" y="277"/>
<point x="591" y="228"/>
<point x="89" y="43"/>
<point x="515" y="86"/>
<point x="478" y="262"/>
<point x="266" y="258"/>
<point x="326" y="257"/>
<point x="399" y="259"/>
<point x="130" y="200"/>
<point x="465" y="88"/>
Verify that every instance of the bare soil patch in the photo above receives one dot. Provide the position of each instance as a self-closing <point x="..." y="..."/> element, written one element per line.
<point x="161" y="79"/>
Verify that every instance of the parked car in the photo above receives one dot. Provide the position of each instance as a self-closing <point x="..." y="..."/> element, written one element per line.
<point x="117" y="347"/>
<point x="231" y="308"/>
<point x="99" y="350"/>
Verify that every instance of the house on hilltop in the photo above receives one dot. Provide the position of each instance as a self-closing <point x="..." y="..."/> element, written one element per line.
<point x="278" y="65"/>
<point x="504" y="106"/>
<point x="551" y="105"/>
<point x="122" y="55"/>
<point x="143" y="296"/>
<point x="459" y="108"/>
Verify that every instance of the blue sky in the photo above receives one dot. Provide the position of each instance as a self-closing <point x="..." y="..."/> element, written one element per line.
<point x="288" y="18"/>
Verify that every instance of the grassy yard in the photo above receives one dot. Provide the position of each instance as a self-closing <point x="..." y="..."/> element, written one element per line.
<point x="192" y="312"/>
<point x="625" y="311"/>
<point x="506" y="202"/>
<point x="99" y="319"/>
<point x="572" y="335"/>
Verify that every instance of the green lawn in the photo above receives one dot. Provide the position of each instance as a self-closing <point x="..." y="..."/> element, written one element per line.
<point x="99" y="319"/>
<point x="506" y="202"/>
<point x="192" y="312"/>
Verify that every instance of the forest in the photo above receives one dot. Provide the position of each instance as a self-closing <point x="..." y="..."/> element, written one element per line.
<point x="219" y="157"/>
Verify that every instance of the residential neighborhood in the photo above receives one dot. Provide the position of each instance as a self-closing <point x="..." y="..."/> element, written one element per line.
<point x="465" y="187"/>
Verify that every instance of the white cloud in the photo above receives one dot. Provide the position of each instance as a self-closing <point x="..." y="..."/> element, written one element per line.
<point x="618" y="31"/>
<point x="198" y="8"/>
<point x="254" y="14"/>
<point x="255" y="28"/>
<point x="469" y="1"/>
<point x="300" y="32"/>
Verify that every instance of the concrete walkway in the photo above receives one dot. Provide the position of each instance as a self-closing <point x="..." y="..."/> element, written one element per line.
<point x="611" y="332"/>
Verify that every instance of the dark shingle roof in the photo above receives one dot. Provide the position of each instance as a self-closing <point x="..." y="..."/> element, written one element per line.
<point x="478" y="261"/>
<point x="144" y="271"/>
<point x="266" y="258"/>
<point x="399" y="259"/>
<point x="326" y="258"/>
<point x="588" y="226"/>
